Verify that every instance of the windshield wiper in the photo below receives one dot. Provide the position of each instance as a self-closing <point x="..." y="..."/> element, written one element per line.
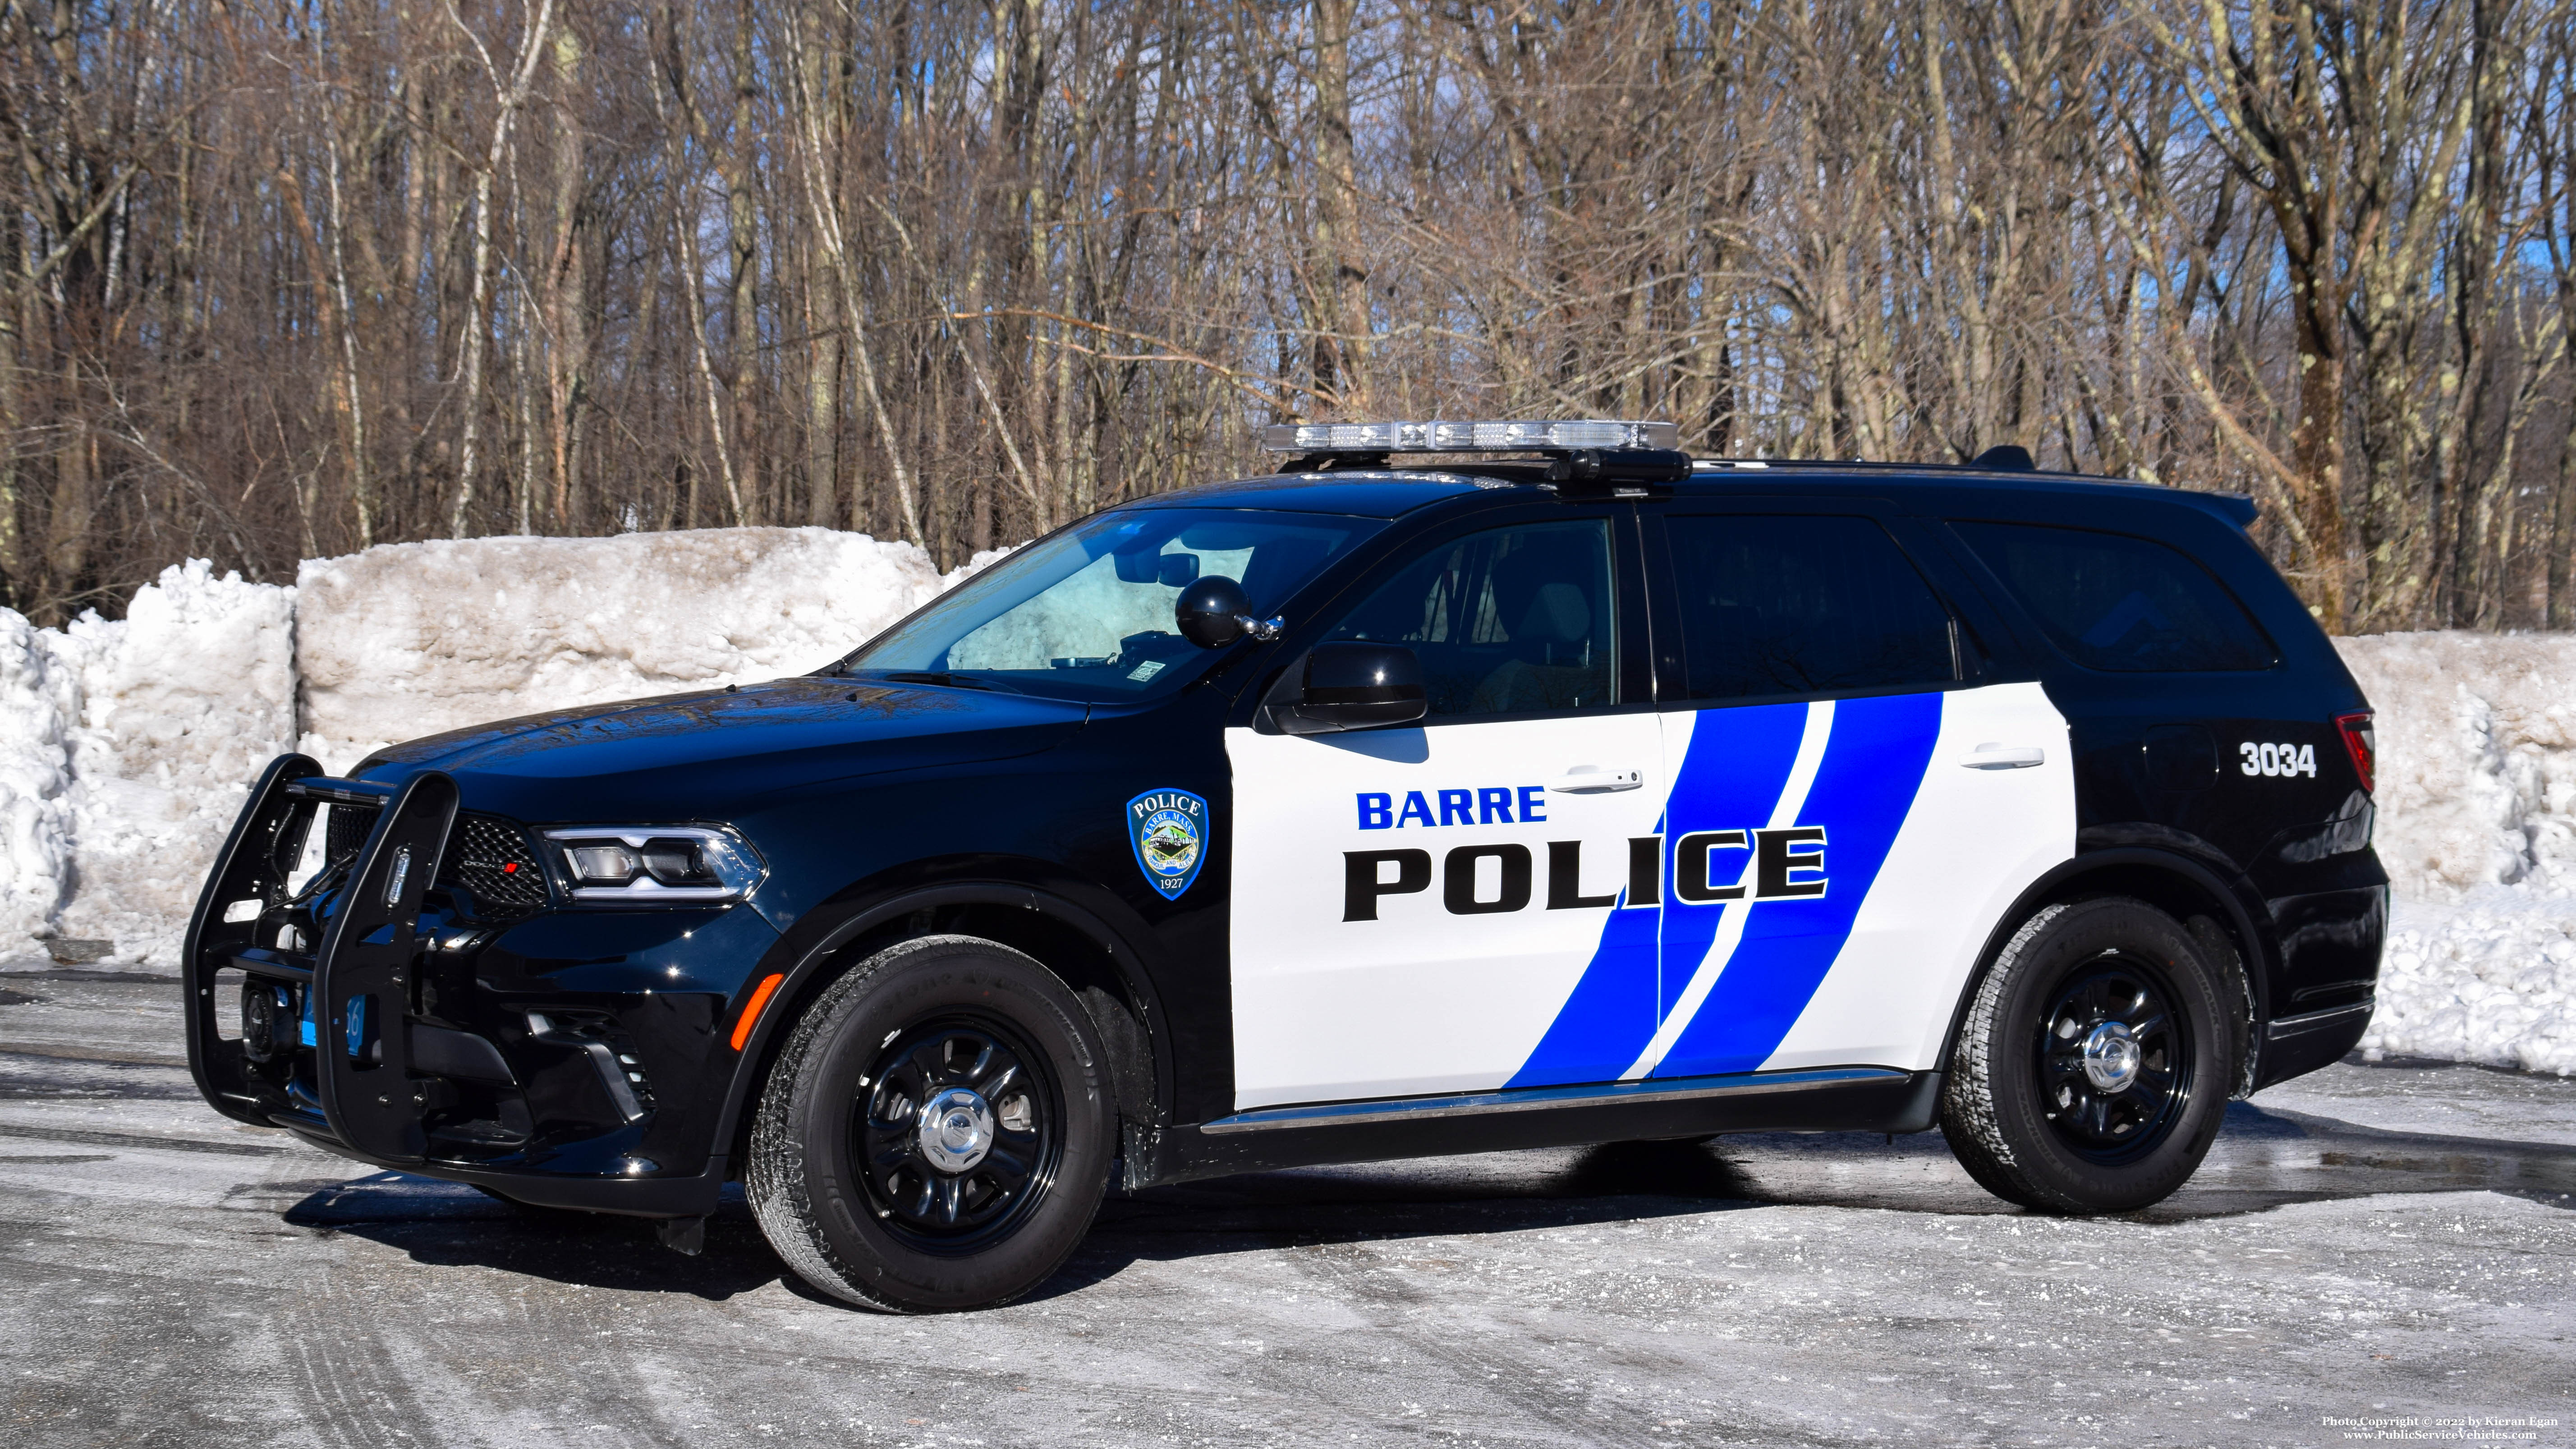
<point x="952" y="681"/>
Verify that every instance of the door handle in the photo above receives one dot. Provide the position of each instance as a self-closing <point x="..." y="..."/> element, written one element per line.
<point x="1992" y="756"/>
<point x="1594" y="780"/>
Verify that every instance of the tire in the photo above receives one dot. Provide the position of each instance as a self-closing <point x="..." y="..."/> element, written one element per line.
<point x="987" y="1201"/>
<point x="2046" y="1107"/>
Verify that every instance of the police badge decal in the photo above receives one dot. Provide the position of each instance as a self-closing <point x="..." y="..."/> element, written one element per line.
<point x="1169" y="830"/>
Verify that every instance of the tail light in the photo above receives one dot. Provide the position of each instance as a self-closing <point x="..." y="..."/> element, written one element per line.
<point x="2362" y="743"/>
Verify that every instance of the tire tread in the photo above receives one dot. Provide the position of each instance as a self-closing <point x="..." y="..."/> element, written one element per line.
<point x="776" y="1184"/>
<point x="1981" y="1115"/>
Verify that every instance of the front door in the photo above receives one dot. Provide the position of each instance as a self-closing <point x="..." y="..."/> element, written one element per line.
<point x="1415" y="907"/>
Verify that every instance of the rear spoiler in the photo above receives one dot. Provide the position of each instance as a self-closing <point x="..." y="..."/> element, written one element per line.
<point x="2239" y="507"/>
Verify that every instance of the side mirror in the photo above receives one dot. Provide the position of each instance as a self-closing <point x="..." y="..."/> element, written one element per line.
<point x="1214" y="612"/>
<point x="1354" y="685"/>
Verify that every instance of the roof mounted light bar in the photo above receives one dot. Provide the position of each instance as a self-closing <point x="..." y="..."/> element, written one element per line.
<point x="1469" y="437"/>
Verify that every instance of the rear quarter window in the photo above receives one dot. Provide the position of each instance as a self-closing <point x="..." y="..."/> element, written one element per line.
<point x="2115" y="602"/>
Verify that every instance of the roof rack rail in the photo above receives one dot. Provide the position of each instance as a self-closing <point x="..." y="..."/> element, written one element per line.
<point x="1881" y="465"/>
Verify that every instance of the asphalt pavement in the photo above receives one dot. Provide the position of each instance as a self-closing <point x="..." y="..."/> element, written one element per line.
<point x="2379" y="1250"/>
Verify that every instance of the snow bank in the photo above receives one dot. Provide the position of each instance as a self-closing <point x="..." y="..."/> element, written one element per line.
<point x="412" y="639"/>
<point x="126" y="745"/>
<point x="35" y="772"/>
<point x="2488" y="978"/>
<point x="179" y="704"/>
<point x="125" y="748"/>
<point x="2477" y="826"/>
<point x="2477" y="749"/>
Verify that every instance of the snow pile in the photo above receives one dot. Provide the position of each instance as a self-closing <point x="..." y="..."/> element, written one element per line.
<point x="35" y="773"/>
<point x="2477" y="758"/>
<point x="178" y="705"/>
<point x="2489" y="978"/>
<point x="2477" y="826"/>
<point x="413" y="639"/>
<point x="126" y="746"/>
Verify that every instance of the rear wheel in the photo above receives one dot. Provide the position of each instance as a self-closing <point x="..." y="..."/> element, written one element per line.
<point x="937" y="1132"/>
<point x="2095" y="1063"/>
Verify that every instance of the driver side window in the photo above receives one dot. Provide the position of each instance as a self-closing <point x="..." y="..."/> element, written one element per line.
<point x="1513" y="621"/>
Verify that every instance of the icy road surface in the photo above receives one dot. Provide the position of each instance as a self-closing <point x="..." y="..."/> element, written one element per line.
<point x="2374" y="1242"/>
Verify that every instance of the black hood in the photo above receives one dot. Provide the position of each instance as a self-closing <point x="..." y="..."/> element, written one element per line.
<point x="716" y="753"/>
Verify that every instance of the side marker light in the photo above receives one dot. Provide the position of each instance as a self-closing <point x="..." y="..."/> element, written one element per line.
<point x="751" y="1011"/>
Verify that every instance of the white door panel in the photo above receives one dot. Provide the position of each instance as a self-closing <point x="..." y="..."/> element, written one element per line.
<point x="1789" y="885"/>
<point x="1449" y="977"/>
<point x="1974" y="839"/>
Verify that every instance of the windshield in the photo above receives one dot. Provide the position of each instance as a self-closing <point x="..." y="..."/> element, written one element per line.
<point x="1087" y="614"/>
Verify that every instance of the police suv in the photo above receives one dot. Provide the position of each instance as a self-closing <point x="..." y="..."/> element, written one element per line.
<point x="1354" y="812"/>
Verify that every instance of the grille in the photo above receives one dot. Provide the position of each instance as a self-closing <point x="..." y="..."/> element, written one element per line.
<point x="489" y="858"/>
<point x="345" y="831"/>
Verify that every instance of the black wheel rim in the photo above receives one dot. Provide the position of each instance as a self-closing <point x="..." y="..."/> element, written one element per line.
<point x="958" y="1134"/>
<point x="2114" y="1061"/>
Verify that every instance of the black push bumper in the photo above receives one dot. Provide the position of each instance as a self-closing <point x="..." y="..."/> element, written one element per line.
<point x="343" y="1062"/>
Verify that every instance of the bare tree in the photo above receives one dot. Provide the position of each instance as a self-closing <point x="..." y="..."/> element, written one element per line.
<point x="510" y="95"/>
<point x="285" y="282"/>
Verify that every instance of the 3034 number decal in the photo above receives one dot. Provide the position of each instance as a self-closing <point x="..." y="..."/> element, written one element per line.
<point x="2278" y="760"/>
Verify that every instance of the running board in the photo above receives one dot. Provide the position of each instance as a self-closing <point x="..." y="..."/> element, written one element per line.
<point x="1818" y="1099"/>
<point x="1539" y="1099"/>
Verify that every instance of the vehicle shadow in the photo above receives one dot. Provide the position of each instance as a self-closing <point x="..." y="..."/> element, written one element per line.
<point x="448" y="1224"/>
<point x="2264" y="1159"/>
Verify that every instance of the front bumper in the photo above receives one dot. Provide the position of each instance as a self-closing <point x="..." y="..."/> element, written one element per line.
<point x="567" y="1058"/>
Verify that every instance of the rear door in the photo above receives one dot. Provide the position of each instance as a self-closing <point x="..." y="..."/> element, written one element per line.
<point x="1414" y="906"/>
<point x="1855" y="798"/>
<point x="2197" y="728"/>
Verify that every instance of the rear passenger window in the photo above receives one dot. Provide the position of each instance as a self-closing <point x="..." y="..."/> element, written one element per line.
<point x="1777" y="605"/>
<point x="2113" y="602"/>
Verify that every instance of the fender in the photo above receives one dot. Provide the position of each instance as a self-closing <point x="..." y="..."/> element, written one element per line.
<point x="806" y="963"/>
<point x="2251" y="942"/>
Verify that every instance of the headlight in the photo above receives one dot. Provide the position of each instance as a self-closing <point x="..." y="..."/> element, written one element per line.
<point x="655" y="864"/>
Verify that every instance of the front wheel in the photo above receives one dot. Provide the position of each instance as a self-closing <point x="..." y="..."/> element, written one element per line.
<point x="2095" y="1061"/>
<point x="937" y="1132"/>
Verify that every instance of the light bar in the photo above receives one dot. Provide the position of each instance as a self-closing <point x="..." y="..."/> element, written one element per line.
<point x="1453" y="437"/>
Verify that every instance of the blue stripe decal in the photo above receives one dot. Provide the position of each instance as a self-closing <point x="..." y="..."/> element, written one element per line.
<point x="1733" y="772"/>
<point x="1598" y="1030"/>
<point x="1873" y="766"/>
<point x="1730" y="779"/>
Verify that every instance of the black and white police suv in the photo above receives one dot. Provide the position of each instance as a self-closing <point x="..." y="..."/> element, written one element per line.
<point x="1358" y="811"/>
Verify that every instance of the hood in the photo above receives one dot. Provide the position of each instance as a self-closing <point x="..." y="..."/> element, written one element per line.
<point x="718" y="753"/>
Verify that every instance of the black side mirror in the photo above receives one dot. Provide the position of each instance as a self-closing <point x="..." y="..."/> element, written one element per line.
<point x="1213" y="612"/>
<point x="1354" y="685"/>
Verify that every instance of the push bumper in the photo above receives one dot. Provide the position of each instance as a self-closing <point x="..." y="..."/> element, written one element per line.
<point x="336" y="1048"/>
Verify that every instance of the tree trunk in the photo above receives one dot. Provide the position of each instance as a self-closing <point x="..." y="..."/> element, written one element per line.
<point x="742" y="225"/>
<point x="568" y="295"/>
<point x="1338" y="267"/>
